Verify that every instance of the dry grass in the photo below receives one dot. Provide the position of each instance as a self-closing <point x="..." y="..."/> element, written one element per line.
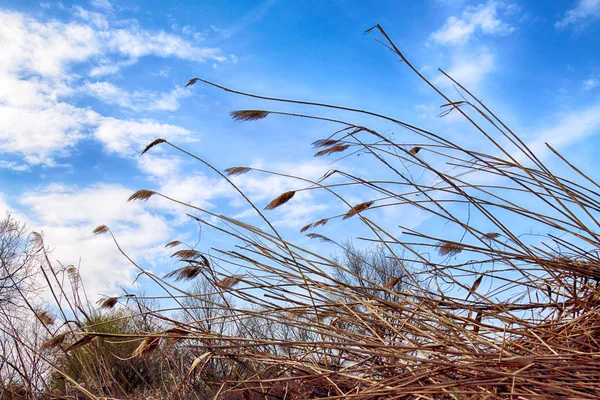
<point x="479" y="310"/>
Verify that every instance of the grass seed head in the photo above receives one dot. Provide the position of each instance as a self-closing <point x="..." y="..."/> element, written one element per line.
<point x="235" y="171"/>
<point x="186" y="273"/>
<point x="331" y="150"/>
<point x="318" y="236"/>
<point x="321" y="222"/>
<point x="45" y="317"/>
<point x="109" y="302"/>
<point x="280" y="200"/>
<point x="358" y="208"/>
<point x="306" y="227"/>
<point x="55" y="341"/>
<point x="449" y="248"/>
<point x="414" y="150"/>
<point x="230" y="281"/>
<point x="141" y="195"/>
<point x="152" y="144"/>
<point x="393" y="282"/>
<point x="100" y="230"/>
<point x="148" y="345"/>
<point x="248" y="115"/>
<point x="491" y="236"/>
<point x="192" y="82"/>
<point x="84" y="340"/>
<point x="324" y="143"/>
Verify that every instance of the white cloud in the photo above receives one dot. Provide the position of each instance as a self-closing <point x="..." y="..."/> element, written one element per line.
<point x="14" y="166"/>
<point x="571" y="128"/>
<point x="136" y="42"/>
<point x="96" y="19"/>
<point x="43" y="48"/>
<point x="469" y="69"/>
<point x="581" y="15"/>
<point x="67" y="215"/>
<point x="39" y="135"/>
<point x="37" y="83"/>
<point x="159" y="166"/>
<point x="127" y="138"/>
<point x="591" y="83"/>
<point x="483" y="18"/>
<point x="101" y="4"/>
<point x="138" y="100"/>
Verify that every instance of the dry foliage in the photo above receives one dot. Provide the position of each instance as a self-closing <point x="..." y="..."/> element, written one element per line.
<point x="470" y="316"/>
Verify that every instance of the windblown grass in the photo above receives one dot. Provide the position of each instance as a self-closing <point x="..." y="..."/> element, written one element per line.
<point x="487" y="313"/>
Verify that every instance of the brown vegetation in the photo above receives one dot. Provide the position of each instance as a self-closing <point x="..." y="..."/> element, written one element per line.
<point x="471" y="311"/>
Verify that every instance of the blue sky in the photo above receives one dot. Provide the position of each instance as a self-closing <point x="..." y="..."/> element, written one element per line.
<point x="85" y="85"/>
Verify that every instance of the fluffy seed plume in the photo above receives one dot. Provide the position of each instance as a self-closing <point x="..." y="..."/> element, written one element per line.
<point x="45" y="317"/>
<point x="248" y="115"/>
<point x="100" y="230"/>
<point x="174" y="243"/>
<point x="317" y="236"/>
<point x="55" y="341"/>
<point x="358" y="208"/>
<point x="306" y="227"/>
<point x="109" y="302"/>
<point x="192" y="81"/>
<point x="449" y="248"/>
<point x="148" y="345"/>
<point x="186" y="273"/>
<point x="414" y="150"/>
<point x="141" y="195"/>
<point x="234" y="171"/>
<point x="281" y="199"/>
<point x="230" y="281"/>
<point x="152" y="144"/>
<point x="324" y="143"/>
<point x="85" y="339"/>
<point x="334" y="149"/>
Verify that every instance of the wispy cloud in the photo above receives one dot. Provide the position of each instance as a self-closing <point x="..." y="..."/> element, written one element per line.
<point x="591" y="83"/>
<point x="482" y="18"/>
<point x="102" y="4"/>
<point x="141" y="100"/>
<point x="39" y="120"/>
<point x="579" y="17"/>
<point x="571" y="128"/>
<point x="469" y="69"/>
